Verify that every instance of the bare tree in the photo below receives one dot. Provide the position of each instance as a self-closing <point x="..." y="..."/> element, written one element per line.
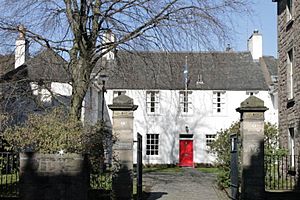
<point x="75" y="28"/>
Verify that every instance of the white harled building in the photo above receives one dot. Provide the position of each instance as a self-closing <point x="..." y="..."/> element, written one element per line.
<point x="201" y="103"/>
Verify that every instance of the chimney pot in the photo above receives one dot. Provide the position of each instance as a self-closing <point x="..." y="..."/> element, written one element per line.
<point x="228" y="48"/>
<point x="22" y="31"/>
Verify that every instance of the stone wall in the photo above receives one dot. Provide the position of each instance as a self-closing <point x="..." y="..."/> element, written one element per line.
<point x="53" y="176"/>
<point x="288" y="38"/>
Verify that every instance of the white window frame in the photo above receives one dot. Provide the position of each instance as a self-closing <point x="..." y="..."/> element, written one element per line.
<point x="117" y="93"/>
<point x="209" y="138"/>
<point x="289" y="10"/>
<point x="292" y="146"/>
<point x="185" y="102"/>
<point x="152" y="144"/>
<point x="152" y="102"/>
<point x="290" y="74"/>
<point x="219" y="102"/>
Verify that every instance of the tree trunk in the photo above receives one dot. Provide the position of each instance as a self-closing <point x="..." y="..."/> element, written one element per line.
<point x="81" y="79"/>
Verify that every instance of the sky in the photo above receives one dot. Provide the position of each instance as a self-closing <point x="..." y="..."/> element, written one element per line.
<point x="264" y="19"/>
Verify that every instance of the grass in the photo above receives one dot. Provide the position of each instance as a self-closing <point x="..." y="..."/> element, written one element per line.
<point x="173" y="169"/>
<point x="210" y="170"/>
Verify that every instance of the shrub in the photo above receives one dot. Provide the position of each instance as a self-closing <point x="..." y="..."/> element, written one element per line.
<point x="46" y="133"/>
<point x="221" y="148"/>
<point x="54" y="131"/>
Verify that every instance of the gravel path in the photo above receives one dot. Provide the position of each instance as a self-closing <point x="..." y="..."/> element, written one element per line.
<point x="189" y="184"/>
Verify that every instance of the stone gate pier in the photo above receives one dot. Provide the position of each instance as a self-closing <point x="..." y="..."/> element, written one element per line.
<point x="252" y="154"/>
<point x="123" y="109"/>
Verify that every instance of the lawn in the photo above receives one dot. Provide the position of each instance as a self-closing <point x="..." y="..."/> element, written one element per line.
<point x="211" y="170"/>
<point x="162" y="169"/>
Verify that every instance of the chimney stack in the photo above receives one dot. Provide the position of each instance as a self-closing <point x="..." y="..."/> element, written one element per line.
<point x="255" y="45"/>
<point x="21" y="51"/>
<point x="108" y="37"/>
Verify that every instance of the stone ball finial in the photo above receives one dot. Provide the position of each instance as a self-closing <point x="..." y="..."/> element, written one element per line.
<point x="22" y="31"/>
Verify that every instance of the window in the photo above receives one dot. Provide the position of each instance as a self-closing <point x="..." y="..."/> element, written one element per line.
<point x="251" y="93"/>
<point x="185" y="101"/>
<point x="152" y="144"/>
<point x="118" y="93"/>
<point x="289" y="10"/>
<point x="152" y="101"/>
<point x="218" y="102"/>
<point x="209" y="139"/>
<point x="43" y="92"/>
<point x="292" y="146"/>
<point x="290" y="78"/>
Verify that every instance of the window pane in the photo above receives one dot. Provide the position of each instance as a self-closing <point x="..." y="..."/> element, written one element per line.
<point x="152" y="144"/>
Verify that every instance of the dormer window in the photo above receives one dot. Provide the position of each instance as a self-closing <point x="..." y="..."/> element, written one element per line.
<point x="274" y="78"/>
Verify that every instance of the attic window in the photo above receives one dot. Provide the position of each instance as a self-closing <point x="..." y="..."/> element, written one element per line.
<point x="274" y="79"/>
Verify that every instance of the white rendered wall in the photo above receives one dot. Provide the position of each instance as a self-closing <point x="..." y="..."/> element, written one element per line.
<point x="170" y="122"/>
<point x="62" y="89"/>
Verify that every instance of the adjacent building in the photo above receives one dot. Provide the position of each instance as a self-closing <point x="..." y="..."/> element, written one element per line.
<point x="288" y="22"/>
<point x="32" y="83"/>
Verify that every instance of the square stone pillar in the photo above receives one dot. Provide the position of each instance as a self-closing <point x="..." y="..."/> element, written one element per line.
<point x="123" y="108"/>
<point x="252" y="150"/>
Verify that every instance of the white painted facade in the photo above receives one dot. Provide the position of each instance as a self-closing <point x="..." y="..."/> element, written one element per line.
<point x="170" y="121"/>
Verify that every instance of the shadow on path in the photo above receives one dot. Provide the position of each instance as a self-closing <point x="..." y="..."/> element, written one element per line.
<point x="155" y="195"/>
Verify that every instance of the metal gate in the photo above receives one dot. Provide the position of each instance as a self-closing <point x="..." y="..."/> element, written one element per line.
<point x="9" y="175"/>
<point x="139" y="166"/>
<point x="234" y="167"/>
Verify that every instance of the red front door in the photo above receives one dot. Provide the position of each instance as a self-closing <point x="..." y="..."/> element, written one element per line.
<point x="186" y="153"/>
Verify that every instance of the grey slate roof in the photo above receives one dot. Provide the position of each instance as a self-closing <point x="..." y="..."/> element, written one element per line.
<point x="161" y="70"/>
<point x="45" y="66"/>
<point x="271" y="64"/>
<point x="7" y="63"/>
<point x="48" y="66"/>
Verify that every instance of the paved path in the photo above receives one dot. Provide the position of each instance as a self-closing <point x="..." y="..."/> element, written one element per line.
<point x="189" y="184"/>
